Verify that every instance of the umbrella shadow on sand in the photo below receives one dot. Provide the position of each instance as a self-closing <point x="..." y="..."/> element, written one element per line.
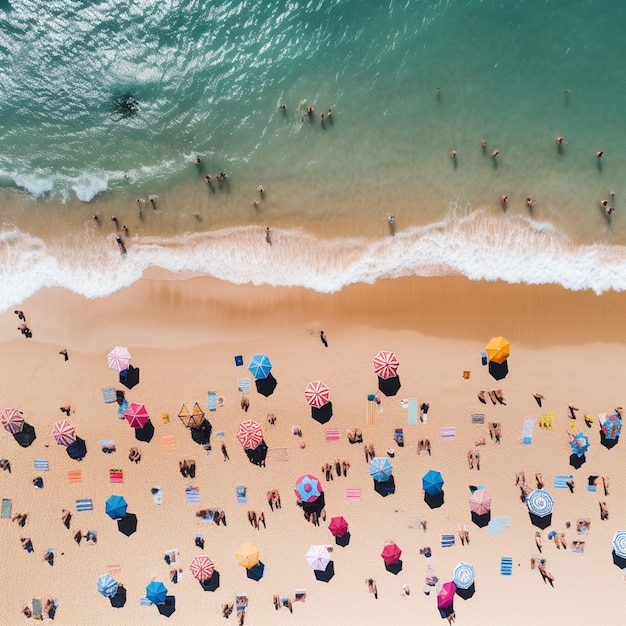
<point x="265" y="386"/>
<point x="322" y="414"/>
<point x="434" y="502"/>
<point x="326" y="574"/>
<point x="498" y="370"/>
<point x="213" y="583"/>
<point x="146" y="433"/>
<point x="540" y="522"/>
<point x="118" y="600"/>
<point x="620" y="561"/>
<point x="127" y="525"/>
<point x="394" y="568"/>
<point x="608" y="443"/>
<point x="130" y="377"/>
<point x="77" y="450"/>
<point x="385" y="487"/>
<point x="26" y="436"/>
<point x="343" y="540"/>
<point x="168" y="607"/>
<point x="389" y="386"/>
<point x="481" y="520"/>
<point x="256" y="571"/>
<point x="577" y="461"/>
<point x="466" y="594"/>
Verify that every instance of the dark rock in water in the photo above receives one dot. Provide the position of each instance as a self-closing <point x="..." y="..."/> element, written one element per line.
<point x="125" y="104"/>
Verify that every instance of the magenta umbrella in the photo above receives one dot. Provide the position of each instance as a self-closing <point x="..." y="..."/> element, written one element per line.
<point x="308" y="488"/>
<point x="445" y="597"/>
<point x="386" y="364"/>
<point x="480" y="502"/>
<point x="338" y="526"/>
<point x="137" y="415"/>
<point x="64" y="433"/>
<point x="12" y="420"/>
<point x="317" y="394"/>
<point x="391" y="554"/>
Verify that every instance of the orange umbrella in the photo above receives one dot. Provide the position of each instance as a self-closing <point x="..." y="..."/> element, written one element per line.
<point x="498" y="350"/>
<point x="247" y="555"/>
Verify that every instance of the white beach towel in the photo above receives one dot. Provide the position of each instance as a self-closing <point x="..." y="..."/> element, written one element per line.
<point x="527" y="433"/>
<point x="243" y="384"/>
<point x="157" y="495"/>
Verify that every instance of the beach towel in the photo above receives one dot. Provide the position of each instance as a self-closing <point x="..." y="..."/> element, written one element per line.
<point x="241" y="494"/>
<point x="121" y="409"/>
<point x="219" y="433"/>
<point x="478" y="418"/>
<point x="157" y="495"/>
<point x="370" y="414"/>
<point x="115" y="570"/>
<point x="497" y="524"/>
<point x="107" y="444"/>
<point x="212" y="400"/>
<point x="37" y="608"/>
<point x="448" y="433"/>
<point x="353" y="493"/>
<point x="277" y="454"/>
<point x="6" y="508"/>
<point x="84" y="504"/>
<point x="506" y="566"/>
<point x="192" y="494"/>
<point x="108" y="395"/>
<point x="300" y="595"/>
<point x="412" y="411"/>
<point x="243" y="384"/>
<point x="143" y="601"/>
<point x="527" y="433"/>
<point x="332" y="434"/>
<point x="116" y="476"/>
<point x="41" y="465"/>
<point x="447" y="541"/>
<point x="168" y="442"/>
<point x="560" y="481"/>
<point x="75" y="476"/>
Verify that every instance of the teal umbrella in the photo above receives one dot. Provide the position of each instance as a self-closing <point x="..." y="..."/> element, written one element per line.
<point x="156" y="592"/>
<point x="260" y="366"/>
<point x="432" y="482"/>
<point x="115" y="507"/>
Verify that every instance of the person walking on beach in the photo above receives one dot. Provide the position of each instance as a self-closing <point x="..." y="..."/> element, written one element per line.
<point x="323" y="339"/>
<point x="371" y="587"/>
<point x="64" y="353"/>
<point x="225" y="452"/>
<point x="20" y="315"/>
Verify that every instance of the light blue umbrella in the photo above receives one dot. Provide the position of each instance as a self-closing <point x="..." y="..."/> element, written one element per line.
<point x="115" y="507"/>
<point x="464" y="575"/>
<point x="156" y="592"/>
<point x="432" y="482"/>
<point x="579" y="444"/>
<point x="106" y="585"/>
<point x="260" y="366"/>
<point x="540" y="502"/>
<point x="619" y="543"/>
<point x="380" y="468"/>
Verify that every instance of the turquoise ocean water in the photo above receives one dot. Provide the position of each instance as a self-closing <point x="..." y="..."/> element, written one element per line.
<point x="207" y="78"/>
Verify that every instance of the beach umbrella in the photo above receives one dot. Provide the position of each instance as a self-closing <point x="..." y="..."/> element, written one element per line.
<point x="64" y="433"/>
<point x="619" y="543"/>
<point x="119" y="358"/>
<point x="202" y="567"/>
<point x="391" y="554"/>
<point x="480" y="502"/>
<point x="115" y="507"/>
<point x="260" y="366"/>
<point x="191" y="419"/>
<point x="308" y="488"/>
<point x="385" y="364"/>
<point x="136" y="415"/>
<point x="540" y="502"/>
<point x="106" y="585"/>
<point x="612" y="426"/>
<point x="579" y="444"/>
<point x="318" y="557"/>
<point x="12" y="420"/>
<point x="317" y="394"/>
<point x="463" y="575"/>
<point x="338" y="526"/>
<point x="156" y="592"/>
<point x="380" y="468"/>
<point x="249" y="434"/>
<point x="498" y="350"/>
<point x="445" y="597"/>
<point x="247" y="555"/>
<point x="432" y="482"/>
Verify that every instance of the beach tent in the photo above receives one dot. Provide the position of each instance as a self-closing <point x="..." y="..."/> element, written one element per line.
<point x="156" y="592"/>
<point x="136" y="415"/>
<point x="385" y="364"/>
<point x="318" y="557"/>
<point x="432" y="483"/>
<point x="380" y="468"/>
<point x="260" y="366"/>
<point x="308" y="488"/>
<point x="119" y="358"/>
<point x="115" y="507"/>
<point x="445" y="597"/>
<point x="338" y="526"/>
<point x="464" y="575"/>
<point x="247" y="555"/>
<point x="391" y="554"/>
<point x="12" y="420"/>
<point x="498" y="350"/>
<point x="202" y="567"/>
<point x="107" y="585"/>
<point x="579" y="444"/>
<point x="317" y="394"/>
<point x="191" y="419"/>
<point x="64" y="433"/>
<point x="249" y="434"/>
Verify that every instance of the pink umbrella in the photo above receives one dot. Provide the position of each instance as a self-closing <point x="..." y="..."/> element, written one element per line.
<point x="249" y="434"/>
<point x="386" y="364"/>
<point x="202" y="567"/>
<point x="391" y="554"/>
<point x="445" y="597"/>
<point x="480" y="502"/>
<point x="137" y="415"/>
<point x="308" y="488"/>
<point x="317" y="394"/>
<point x="119" y="358"/>
<point x="64" y="433"/>
<point x="12" y="420"/>
<point x="338" y="526"/>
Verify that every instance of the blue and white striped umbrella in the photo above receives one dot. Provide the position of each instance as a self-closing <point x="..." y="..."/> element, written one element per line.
<point x="619" y="543"/>
<point x="107" y="585"/>
<point x="380" y="468"/>
<point x="463" y="575"/>
<point x="540" y="502"/>
<point x="260" y="366"/>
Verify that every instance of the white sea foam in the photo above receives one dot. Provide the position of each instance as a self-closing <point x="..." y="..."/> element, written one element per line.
<point x="37" y="186"/>
<point x="88" y="186"/>
<point x="474" y="244"/>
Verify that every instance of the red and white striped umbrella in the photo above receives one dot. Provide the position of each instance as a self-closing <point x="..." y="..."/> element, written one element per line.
<point x="202" y="567"/>
<point x="317" y="394"/>
<point x="119" y="358"/>
<point x="137" y="415"/>
<point x="64" y="433"/>
<point x="386" y="364"/>
<point x="12" y="420"/>
<point x="249" y="434"/>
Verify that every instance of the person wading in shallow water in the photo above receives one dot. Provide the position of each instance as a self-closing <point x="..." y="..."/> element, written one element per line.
<point x="323" y="338"/>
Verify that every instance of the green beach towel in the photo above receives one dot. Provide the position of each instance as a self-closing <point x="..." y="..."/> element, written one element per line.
<point x="6" y="508"/>
<point x="412" y="411"/>
<point x="37" y="610"/>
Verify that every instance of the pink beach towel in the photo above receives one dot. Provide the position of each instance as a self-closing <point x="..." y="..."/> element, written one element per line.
<point x="116" y="476"/>
<point x="448" y="433"/>
<point x="353" y="494"/>
<point x="332" y="434"/>
<point x="277" y="454"/>
<point x="169" y="442"/>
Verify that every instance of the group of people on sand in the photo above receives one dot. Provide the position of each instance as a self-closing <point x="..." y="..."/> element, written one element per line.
<point x="49" y="609"/>
<point x="495" y="395"/>
<point x="340" y="466"/>
<point x="217" y="515"/>
<point x="187" y="468"/>
<point x="423" y="446"/>
<point x="354" y="435"/>
<point x="473" y="459"/>
<point x="23" y="327"/>
<point x="256" y="519"/>
<point x="370" y="452"/>
<point x="541" y="564"/>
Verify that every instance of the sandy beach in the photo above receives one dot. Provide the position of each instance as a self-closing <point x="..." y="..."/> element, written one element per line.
<point x="183" y="335"/>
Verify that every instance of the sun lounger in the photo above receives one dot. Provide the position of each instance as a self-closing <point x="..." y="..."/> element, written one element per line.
<point x="506" y="566"/>
<point x="75" y="476"/>
<point x="277" y="454"/>
<point x="241" y="494"/>
<point x="447" y="541"/>
<point x="41" y="465"/>
<point x="108" y="395"/>
<point x="84" y="504"/>
<point x="243" y="384"/>
<point x="212" y="400"/>
<point x="37" y="608"/>
<point x="6" y="508"/>
<point x="448" y="433"/>
<point x="332" y="434"/>
<point x="353" y="493"/>
<point x="115" y="570"/>
<point x="527" y="433"/>
<point x="192" y="494"/>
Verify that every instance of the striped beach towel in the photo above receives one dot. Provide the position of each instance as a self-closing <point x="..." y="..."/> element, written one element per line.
<point x="192" y="494"/>
<point x="448" y="433"/>
<point x="478" y="418"/>
<point x="412" y="411"/>
<point x="115" y="570"/>
<point x="168" y="442"/>
<point x="6" y="508"/>
<point x="332" y="434"/>
<point x="370" y="415"/>
<point x="527" y="433"/>
<point x="143" y="601"/>
<point x="277" y="454"/>
<point x="447" y="541"/>
<point x="108" y="394"/>
<point x="353" y="493"/>
<point x="116" y="476"/>
<point x="560" y="481"/>
<point x="84" y="504"/>
<point x="506" y="566"/>
<point x="41" y="465"/>
<point x="75" y="476"/>
<point x="243" y="384"/>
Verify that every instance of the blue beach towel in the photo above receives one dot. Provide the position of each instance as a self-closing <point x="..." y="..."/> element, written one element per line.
<point x="212" y="401"/>
<point x="84" y="504"/>
<point x="121" y="409"/>
<point x="108" y="394"/>
<point x="506" y="566"/>
<point x="412" y="411"/>
<point x="41" y="465"/>
<point x="241" y="494"/>
<point x="447" y="541"/>
<point x="560" y="481"/>
<point x="192" y="494"/>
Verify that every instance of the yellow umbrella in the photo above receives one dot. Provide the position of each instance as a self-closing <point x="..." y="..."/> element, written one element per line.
<point x="498" y="350"/>
<point x="247" y="555"/>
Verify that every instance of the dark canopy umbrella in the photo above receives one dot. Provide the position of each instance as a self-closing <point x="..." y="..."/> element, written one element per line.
<point x="119" y="599"/>
<point x="325" y="575"/>
<point x="127" y="525"/>
<point x="389" y="386"/>
<point x="26" y="436"/>
<point x="265" y="386"/>
<point x="498" y="370"/>
<point x="256" y="571"/>
<point x="77" y="449"/>
<point x="130" y="377"/>
<point x="168" y="607"/>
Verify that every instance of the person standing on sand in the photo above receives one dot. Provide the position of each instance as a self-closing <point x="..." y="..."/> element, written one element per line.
<point x="268" y="237"/>
<point x="64" y="353"/>
<point x="323" y="339"/>
<point x="225" y="452"/>
<point x="371" y="587"/>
